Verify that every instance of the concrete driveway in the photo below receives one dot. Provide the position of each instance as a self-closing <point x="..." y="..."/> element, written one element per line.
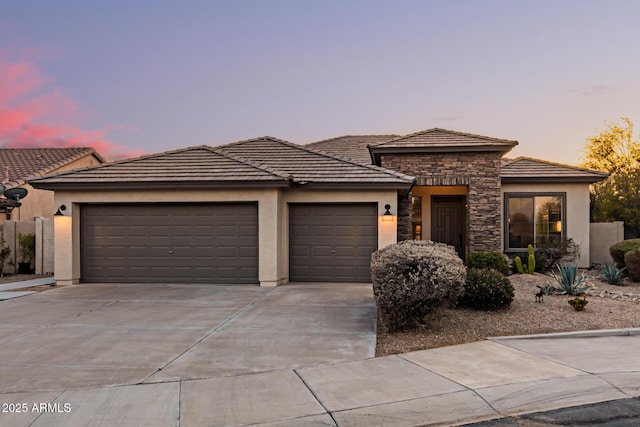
<point x="106" y="335"/>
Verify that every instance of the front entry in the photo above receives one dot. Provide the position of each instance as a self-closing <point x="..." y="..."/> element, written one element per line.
<point x="448" y="223"/>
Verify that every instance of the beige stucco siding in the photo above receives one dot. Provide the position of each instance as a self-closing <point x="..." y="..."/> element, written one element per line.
<point x="577" y="211"/>
<point x="273" y="225"/>
<point x="40" y="203"/>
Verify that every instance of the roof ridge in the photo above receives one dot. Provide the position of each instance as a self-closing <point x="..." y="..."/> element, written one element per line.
<point x="455" y="132"/>
<point x="220" y="150"/>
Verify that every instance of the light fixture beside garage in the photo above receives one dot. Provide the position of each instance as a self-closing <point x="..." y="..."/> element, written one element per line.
<point x="387" y="215"/>
<point x="59" y="211"/>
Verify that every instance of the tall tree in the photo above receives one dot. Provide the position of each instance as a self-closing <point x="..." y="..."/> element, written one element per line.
<point x="617" y="198"/>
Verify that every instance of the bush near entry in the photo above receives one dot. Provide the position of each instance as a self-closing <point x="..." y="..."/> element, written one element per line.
<point x="412" y="279"/>
<point x="483" y="259"/>
<point x="486" y="289"/>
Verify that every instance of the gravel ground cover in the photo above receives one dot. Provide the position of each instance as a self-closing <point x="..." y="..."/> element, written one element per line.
<point x="609" y="307"/>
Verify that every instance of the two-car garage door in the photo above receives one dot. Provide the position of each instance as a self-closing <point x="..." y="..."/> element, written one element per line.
<point x="218" y="242"/>
<point x="170" y="243"/>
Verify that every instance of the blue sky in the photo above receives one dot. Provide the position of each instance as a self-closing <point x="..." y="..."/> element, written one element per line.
<point x="147" y="76"/>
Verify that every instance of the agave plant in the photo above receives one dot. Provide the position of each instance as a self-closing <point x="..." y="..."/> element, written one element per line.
<point x="569" y="281"/>
<point x="610" y="273"/>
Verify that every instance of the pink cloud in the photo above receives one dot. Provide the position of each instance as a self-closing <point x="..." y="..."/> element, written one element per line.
<point x="35" y="115"/>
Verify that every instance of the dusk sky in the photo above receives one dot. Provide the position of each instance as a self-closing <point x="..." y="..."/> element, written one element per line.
<point x="133" y="77"/>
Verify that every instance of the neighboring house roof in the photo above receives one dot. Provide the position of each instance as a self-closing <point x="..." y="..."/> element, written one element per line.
<point x="17" y="165"/>
<point x="354" y="147"/>
<point x="257" y="162"/>
<point x="526" y="169"/>
<point x="438" y="140"/>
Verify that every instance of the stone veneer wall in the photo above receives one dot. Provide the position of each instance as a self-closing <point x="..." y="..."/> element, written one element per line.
<point x="405" y="231"/>
<point x="480" y="172"/>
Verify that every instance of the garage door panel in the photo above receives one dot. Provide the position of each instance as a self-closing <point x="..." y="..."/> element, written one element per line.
<point x="332" y="242"/>
<point x="198" y="243"/>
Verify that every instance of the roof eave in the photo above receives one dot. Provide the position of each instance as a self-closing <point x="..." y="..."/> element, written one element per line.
<point x="355" y="186"/>
<point x="551" y="179"/>
<point x="158" y="185"/>
<point x="443" y="149"/>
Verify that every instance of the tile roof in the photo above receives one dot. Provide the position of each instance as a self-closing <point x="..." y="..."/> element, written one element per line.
<point x="192" y="166"/>
<point x="353" y="147"/>
<point x="443" y="140"/>
<point x="17" y="165"/>
<point x="313" y="167"/>
<point x="526" y="169"/>
<point x="257" y="162"/>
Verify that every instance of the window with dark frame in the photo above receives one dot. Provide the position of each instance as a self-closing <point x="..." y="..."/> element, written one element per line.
<point x="534" y="218"/>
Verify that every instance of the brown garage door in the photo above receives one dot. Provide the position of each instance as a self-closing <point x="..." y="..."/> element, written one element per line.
<point x="186" y="243"/>
<point x="332" y="242"/>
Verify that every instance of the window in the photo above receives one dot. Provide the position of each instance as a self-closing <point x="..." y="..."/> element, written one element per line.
<point x="536" y="219"/>
<point x="416" y="217"/>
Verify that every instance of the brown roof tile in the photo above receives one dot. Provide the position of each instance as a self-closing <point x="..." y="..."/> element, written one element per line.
<point x="526" y="169"/>
<point x="309" y="166"/>
<point x="17" y="165"/>
<point x="352" y="147"/>
<point x="443" y="140"/>
<point x="193" y="166"/>
<point x="257" y="162"/>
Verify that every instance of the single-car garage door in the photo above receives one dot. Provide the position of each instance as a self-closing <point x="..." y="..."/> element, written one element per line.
<point x="170" y="243"/>
<point x="332" y="242"/>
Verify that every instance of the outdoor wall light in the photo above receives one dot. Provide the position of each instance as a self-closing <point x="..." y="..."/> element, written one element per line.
<point x="59" y="211"/>
<point x="387" y="215"/>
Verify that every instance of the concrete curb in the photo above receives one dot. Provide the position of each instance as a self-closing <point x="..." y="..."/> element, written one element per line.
<point x="577" y="334"/>
<point x="28" y="283"/>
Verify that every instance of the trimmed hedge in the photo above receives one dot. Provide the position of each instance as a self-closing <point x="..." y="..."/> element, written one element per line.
<point x="632" y="261"/>
<point x="413" y="279"/>
<point x="618" y="250"/>
<point x="486" y="289"/>
<point x="495" y="260"/>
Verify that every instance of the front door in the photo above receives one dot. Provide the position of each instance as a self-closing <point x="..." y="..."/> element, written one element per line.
<point x="448" y="221"/>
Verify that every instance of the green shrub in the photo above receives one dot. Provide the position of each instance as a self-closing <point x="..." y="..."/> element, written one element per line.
<point x="486" y="289"/>
<point x="578" y="304"/>
<point x="412" y="279"/>
<point x="611" y="274"/>
<point x="618" y="250"/>
<point x="27" y="246"/>
<point x="632" y="261"/>
<point x="542" y="262"/>
<point x="550" y="254"/>
<point x="569" y="281"/>
<point x="482" y="259"/>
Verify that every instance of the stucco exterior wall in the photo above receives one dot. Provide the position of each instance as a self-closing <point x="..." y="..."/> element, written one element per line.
<point x="273" y="222"/>
<point x="603" y="235"/>
<point x="40" y="203"/>
<point x="577" y="211"/>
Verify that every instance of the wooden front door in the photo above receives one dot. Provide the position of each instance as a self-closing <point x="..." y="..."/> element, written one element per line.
<point x="448" y="223"/>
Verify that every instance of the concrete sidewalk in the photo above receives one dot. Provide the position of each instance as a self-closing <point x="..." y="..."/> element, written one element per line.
<point x="445" y="386"/>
